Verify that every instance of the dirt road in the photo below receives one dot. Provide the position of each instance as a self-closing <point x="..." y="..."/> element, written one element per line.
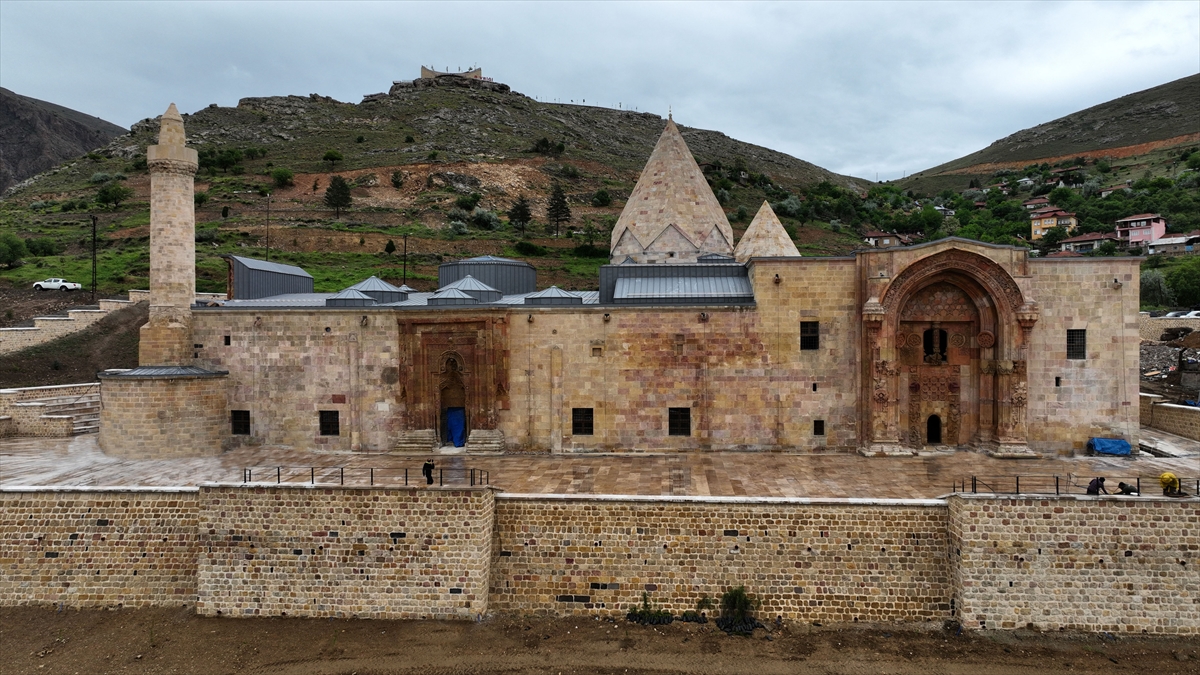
<point x="45" y="640"/>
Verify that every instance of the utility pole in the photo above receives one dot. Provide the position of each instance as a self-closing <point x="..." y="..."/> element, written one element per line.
<point x="268" y="226"/>
<point x="94" y="219"/>
<point x="405" y="282"/>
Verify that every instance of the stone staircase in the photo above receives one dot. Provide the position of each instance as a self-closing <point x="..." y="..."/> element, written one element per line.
<point x="84" y="411"/>
<point x="485" y="440"/>
<point x="415" y="442"/>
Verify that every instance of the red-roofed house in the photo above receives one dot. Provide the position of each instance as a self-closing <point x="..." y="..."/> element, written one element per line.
<point x="1064" y="254"/>
<point x="1141" y="229"/>
<point x="878" y="239"/>
<point x="1087" y="242"/>
<point x="1042" y="220"/>
<point x="1035" y="203"/>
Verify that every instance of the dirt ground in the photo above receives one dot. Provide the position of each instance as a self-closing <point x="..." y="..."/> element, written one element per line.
<point x="47" y="640"/>
<point x="111" y="342"/>
<point x="26" y="303"/>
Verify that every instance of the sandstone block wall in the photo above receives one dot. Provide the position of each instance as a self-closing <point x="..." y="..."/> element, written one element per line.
<point x="98" y="548"/>
<point x="1181" y="420"/>
<point x="806" y="561"/>
<point x="160" y="418"/>
<point x="47" y="328"/>
<point x="28" y="414"/>
<point x="1096" y="396"/>
<point x="1084" y="563"/>
<point x="1151" y="328"/>
<point x="286" y="366"/>
<point x="367" y="553"/>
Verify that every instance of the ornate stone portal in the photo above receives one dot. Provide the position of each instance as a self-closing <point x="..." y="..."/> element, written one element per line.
<point x="947" y="344"/>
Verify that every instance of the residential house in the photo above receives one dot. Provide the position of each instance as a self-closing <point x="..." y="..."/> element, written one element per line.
<point x="1141" y="229"/>
<point x="946" y="213"/>
<point x="1035" y="203"/>
<point x="1042" y="220"/>
<point x="1104" y="192"/>
<point x="1087" y="242"/>
<point x="877" y="239"/>
<point x="1181" y="244"/>
<point x="1064" y="254"/>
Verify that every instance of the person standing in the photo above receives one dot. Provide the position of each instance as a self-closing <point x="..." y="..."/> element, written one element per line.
<point x="427" y="471"/>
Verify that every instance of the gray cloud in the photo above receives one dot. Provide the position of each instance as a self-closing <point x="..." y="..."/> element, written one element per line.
<point x="859" y="88"/>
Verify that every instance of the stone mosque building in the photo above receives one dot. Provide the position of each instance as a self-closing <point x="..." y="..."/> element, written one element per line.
<point x="692" y="342"/>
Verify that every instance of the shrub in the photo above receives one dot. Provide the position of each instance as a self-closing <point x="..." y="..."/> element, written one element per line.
<point x="791" y="207"/>
<point x="359" y="139"/>
<point x="1184" y="280"/>
<point x="208" y="235"/>
<point x="224" y="211"/>
<point x="366" y="180"/>
<point x="1155" y="291"/>
<point x="113" y="194"/>
<point x="458" y="213"/>
<point x="12" y="249"/>
<point x="529" y="248"/>
<point x="390" y="248"/>
<point x="589" y="251"/>
<point x="723" y="196"/>
<point x="332" y="157"/>
<point x="601" y="198"/>
<point x="201" y="198"/>
<point x="408" y="139"/>
<point x="69" y="205"/>
<point x="468" y="202"/>
<point x="100" y="177"/>
<point x="485" y="220"/>
<point x="458" y="227"/>
<point x="647" y="615"/>
<point x="283" y="177"/>
<point x="43" y="246"/>
<point x="397" y="179"/>
<point x="432" y="156"/>
<point x="736" y="609"/>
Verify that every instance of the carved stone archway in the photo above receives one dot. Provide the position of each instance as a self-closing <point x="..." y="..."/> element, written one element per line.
<point x="948" y="337"/>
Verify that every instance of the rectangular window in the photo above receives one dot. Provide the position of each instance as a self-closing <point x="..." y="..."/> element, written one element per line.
<point x="329" y="423"/>
<point x="679" y="421"/>
<point x="597" y="351"/>
<point x="1076" y="344"/>
<point x="226" y="340"/>
<point x="810" y="335"/>
<point x="581" y="421"/>
<point x="818" y="427"/>
<point x="239" y="422"/>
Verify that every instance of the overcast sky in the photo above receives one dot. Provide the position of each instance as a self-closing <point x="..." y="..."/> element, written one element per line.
<point x="860" y="88"/>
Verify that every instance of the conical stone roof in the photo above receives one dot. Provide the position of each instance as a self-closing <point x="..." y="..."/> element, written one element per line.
<point x="672" y="214"/>
<point x="765" y="238"/>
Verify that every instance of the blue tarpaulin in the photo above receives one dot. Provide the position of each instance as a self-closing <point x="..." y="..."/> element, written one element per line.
<point x="456" y="425"/>
<point x="1108" y="446"/>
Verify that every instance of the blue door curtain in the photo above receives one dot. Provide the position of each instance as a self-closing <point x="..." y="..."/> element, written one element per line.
<point x="456" y="424"/>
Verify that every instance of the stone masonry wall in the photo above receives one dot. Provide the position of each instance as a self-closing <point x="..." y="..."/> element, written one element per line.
<point x="1084" y="563"/>
<point x="47" y="328"/>
<point x="143" y="418"/>
<point x="98" y="548"/>
<point x="806" y="560"/>
<point x="368" y="553"/>
<point x="1151" y="328"/>
<point x="1096" y="396"/>
<point x="1181" y="420"/>
<point x="28" y="415"/>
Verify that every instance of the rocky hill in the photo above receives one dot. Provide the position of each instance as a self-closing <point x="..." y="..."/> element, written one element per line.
<point x="1160" y="117"/>
<point x="36" y="136"/>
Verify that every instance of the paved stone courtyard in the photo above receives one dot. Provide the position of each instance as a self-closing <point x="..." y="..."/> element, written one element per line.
<point x="78" y="462"/>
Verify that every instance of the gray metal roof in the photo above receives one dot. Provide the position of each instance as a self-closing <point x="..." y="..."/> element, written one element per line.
<point x="474" y="288"/>
<point x="267" y="266"/>
<point x="553" y="296"/>
<point x="680" y="288"/>
<point x="492" y="258"/>
<point x="451" y="296"/>
<point x="284" y="300"/>
<point x="350" y="298"/>
<point x="165" y="372"/>
<point x="375" y="284"/>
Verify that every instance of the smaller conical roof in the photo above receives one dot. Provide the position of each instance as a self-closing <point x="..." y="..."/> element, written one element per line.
<point x="451" y="293"/>
<point x="468" y="283"/>
<point x="375" y="284"/>
<point x="350" y="294"/>
<point x="765" y="238"/>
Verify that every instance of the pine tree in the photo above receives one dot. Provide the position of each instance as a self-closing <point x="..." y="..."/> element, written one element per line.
<point x="337" y="195"/>
<point x="519" y="214"/>
<point x="557" y="211"/>
<point x="390" y="248"/>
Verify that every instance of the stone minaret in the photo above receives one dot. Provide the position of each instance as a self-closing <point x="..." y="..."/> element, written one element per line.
<point x="167" y="339"/>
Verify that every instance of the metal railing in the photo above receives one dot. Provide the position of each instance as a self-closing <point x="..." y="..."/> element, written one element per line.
<point x="1031" y="484"/>
<point x="354" y="475"/>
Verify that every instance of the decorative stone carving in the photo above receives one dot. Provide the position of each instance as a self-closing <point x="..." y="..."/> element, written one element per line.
<point x="957" y="340"/>
<point x="1004" y="367"/>
<point x="986" y="339"/>
<point x="994" y="278"/>
<point x="881" y="397"/>
<point x="953" y="420"/>
<point x="940" y="301"/>
<point x="987" y="367"/>
<point x="889" y="368"/>
<point x="914" y="340"/>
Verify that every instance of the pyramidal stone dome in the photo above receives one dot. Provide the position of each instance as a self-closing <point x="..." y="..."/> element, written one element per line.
<point x="672" y="214"/>
<point x="765" y="238"/>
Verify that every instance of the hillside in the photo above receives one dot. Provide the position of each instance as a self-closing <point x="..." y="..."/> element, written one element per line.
<point x="1141" y="123"/>
<point x="440" y="163"/>
<point x="36" y="135"/>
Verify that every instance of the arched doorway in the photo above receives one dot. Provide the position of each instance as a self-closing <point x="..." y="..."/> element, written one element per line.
<point x="933" y="430"/>
<point x="453" y="406"/>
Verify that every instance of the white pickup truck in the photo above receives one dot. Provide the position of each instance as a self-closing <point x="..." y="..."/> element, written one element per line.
<point x="56" y="285"/>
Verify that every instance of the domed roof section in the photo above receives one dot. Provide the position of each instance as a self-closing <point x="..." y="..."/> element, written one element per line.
<point x="672" y="214"/>
<point x="765" y="238"/>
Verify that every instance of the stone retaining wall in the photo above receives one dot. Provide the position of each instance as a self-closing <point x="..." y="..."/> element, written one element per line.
<point x="1181" y="420"/>
<point x="47" y="328"/>
<point x="805" y="560"/>
<point x="1082" y="563"/>
<point x="1151" y="328"/>
<point x="1074" y="562"/>
<point x="98" y="548"/>
<point x="368" y="553"/>
<point x="28" y="417"/>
